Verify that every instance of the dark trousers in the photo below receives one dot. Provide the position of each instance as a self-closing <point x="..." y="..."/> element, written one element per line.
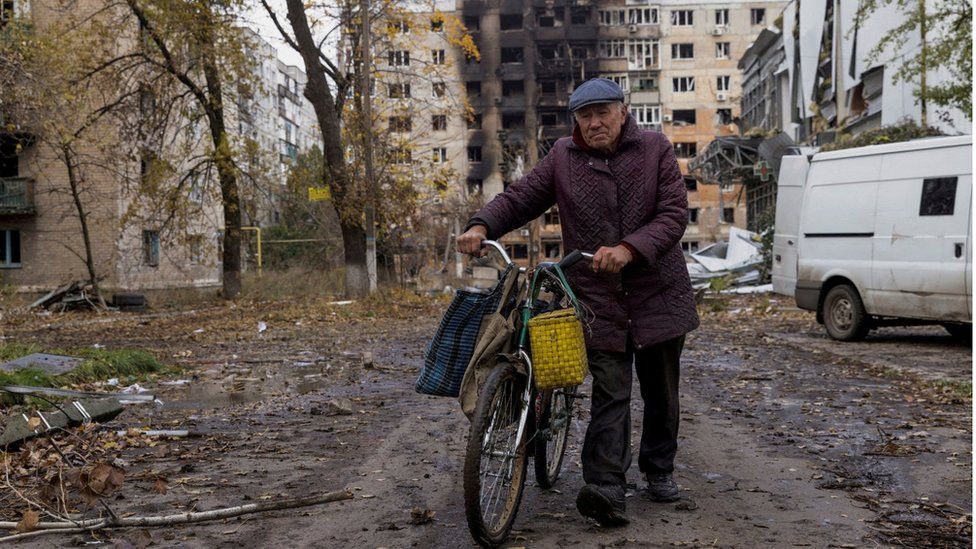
<point x="606" y="450"/>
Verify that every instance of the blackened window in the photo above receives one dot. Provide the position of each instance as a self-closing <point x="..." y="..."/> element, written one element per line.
<point x="758" y="16"/>
<point x="473" y="88"/>
<point x="728" y="215"/>
<point x="510" y="21"/>
<point x="474" y="121"/>
<point x="579" y="16"/>
<point x="513" y="87"/>
<point x="150" y="248"/>
<point x="439" y="122"/>
<point x="549" y="52"/>
<point x="691" y="184"/>
<point x="724" y="116"/>
<point x="436" y="25"/>
<point x="512" y="55"/>
<point x="579" y="53"/>
<point x="475" y="186"/>
<point x="938" y="196"/>
<point x="9" y="163"/>
<point x="549" y="119"/>
<point x="520" y="251"/>
<point x="472" y="22"/>
<point x="513" y="120"/>
<point x="692" y="215"/>
<point x="547" y="86"/>
<point x="685" y="150"/>
<point x="474" y="154"/>
<point x="683" y="116"/>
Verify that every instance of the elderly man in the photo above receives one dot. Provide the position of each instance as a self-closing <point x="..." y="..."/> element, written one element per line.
<point x="621" y="196"/>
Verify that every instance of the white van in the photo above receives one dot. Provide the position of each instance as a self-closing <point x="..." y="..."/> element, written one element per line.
<point x="878" y="235"/>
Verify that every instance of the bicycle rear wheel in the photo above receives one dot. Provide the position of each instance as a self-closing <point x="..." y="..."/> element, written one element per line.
<point x="554" y="418"/>
<point x="494" y="468"/>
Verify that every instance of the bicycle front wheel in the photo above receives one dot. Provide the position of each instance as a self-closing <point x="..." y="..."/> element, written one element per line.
<point x="495" y="463"/>
<point x="555" y="417"/>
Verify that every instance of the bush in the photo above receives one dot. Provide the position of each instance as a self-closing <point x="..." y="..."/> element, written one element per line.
<point x="905" y="131"/>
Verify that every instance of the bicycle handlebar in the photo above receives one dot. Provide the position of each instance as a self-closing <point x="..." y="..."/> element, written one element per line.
<point x="573" y="258"/>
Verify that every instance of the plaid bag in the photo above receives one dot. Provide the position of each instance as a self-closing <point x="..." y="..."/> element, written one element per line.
<point x="448" y="353"/>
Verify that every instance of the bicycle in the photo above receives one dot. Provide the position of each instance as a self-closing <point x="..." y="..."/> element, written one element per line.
<point x="513" y="419"/>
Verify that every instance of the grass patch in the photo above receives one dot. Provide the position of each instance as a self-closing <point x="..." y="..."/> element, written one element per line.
<point x="99" y="365"/>
<point x="956" y="387"/>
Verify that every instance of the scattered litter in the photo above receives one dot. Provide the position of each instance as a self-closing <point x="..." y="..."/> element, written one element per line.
<point x="121" y="398"/>
<point x="98" y="346"/>
<point x="262" y="326"/>
<point x="738" y="259"/>
<point x="349" y="302"/>
<point x="175" y="433"/>
<point x="54" y="365"/>
<point x="177" y="382"/>
<point x="112" y="382"/>
<point x="134" y="389"/>
<point x="763" y="289"/>
<point x="198" y="331"/>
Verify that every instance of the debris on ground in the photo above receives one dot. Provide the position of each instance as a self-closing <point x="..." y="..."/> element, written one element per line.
<point x="54" y="365"/>
<point x="736" y="260"/>
<point x="20" y="427"/>
<point x="75" y="295"/>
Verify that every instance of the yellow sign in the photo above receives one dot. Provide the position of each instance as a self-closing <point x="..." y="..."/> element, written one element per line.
<point x="316" y="194"/>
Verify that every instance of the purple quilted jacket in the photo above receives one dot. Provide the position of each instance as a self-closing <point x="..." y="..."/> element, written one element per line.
<point x="636" y="196"/>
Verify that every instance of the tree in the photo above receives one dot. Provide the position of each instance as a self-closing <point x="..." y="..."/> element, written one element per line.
<point x="336" y="92"/>
<point x="945" y="29"/>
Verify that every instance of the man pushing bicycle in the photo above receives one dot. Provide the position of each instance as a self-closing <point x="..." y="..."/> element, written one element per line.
<point x="621" y="196"/>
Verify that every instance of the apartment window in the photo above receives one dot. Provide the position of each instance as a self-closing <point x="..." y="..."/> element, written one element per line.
<point x="399" y="91"/>
<point x="938" y="196"/>
<point x="438" y="122"/>
<point x="579" y="16"/>
<point x="513" y="121"/>
<point x="728" y="215"/>
<point x="682" y="18"/>
<point x="548" y="119"/>
<point x="195" y="192"/>
<point x="547" y="87"/>
<point x="150" y="248"/>
<point x="613" y="48"/>
<point x="401" y="155"/>
<point x="436" y="25"/>
<point x="682" y="117"/>
<point x="437" y="57"/>
<point x="692" y="215"/>
<point x="472" y="60"/>
<point x="510" y="21"/>
<point x="645" y="82"/>
<point x="399" y="27"/>
<point x="520" y="251"/>
<point x="474" y="154"/>
<point x="612" y="18"/>
<point x="195" y="248"/>
<point x="723" y="83"/>
<point x="758" y="16"/>
<point x="440" y="155"/>
<point x="642" y="16"/>
<point x="513" y="87"/>
<point x="685" y="150"/>
<point x="622" y="80"/>
<point x="691" y="184"/>
<point x="683" y="84"/>
<point x="9" y="248"/>
<point x="400" y="124"/>
<point x="642" y="54"/>
<point x="723" y="50"/>
<point x="512" y="55"/>
<point x="550" y="52"/>
<point x="472" y="22"/>
<point x="553" y="249"/>
<point x="723" y="116"/>
<point x="690" y="246"/>
<point x="549" y="17"/>
<point x="726" y="185"/>
<point x="473" y="88"/>
<point x="438" y="89"/>
<point x="474" y="121"/>
<point x="646" y="115"/>
<point x="551" y="216"/>
<point x="579" y="53"/>
<point x="400" y="58"/>
<point x="721" y="18"/>
<point x="475" y="186"/>
<point x="682" y="51"/>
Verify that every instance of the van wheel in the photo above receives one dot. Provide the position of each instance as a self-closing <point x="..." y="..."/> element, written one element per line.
<point x="844" y="315"/>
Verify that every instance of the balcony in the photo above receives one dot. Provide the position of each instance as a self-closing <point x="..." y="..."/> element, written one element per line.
<point x="16" y="196"/>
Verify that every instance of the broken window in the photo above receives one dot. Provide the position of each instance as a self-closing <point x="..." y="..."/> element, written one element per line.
<point x="510" y="21"/>
<point x="439" y="122"/>
<point x="642" y="54"/>
<point x="728" y="215"/>
<point x="399" y="58"/>
<point x="683" y="84"/>
<point x="549" y="17"/>
<point x="547" y="87"/>
<point x="645" y="82"/>
<point x="512" y="55"/>
<point x="472" y="22"/>
<point x="9" y="158"/>
<point x="646" y="115"/>
<point x="642" y="16"/>
<point x="723" y="116"/>
<point x="550" y="52"/>
<point x="10" y="248"/>
<point x="553" y="249"/>
<point x="681" y="117"/>
<point x="399" y="91"/>
<point x="723" y="83"/>
<point x="579" y="53"/>
<point x="938" y="196"/>
<point x="552" y="216"/>
<point x="438" y="89"/>
<point x="691" y="184"/>
<point x="579" y="16"/>
<point x="613" y="48"/>
<point x="474" y="154"/>
<point x="513" y="120"/>
<point x="685" y="150"/>
<point x="437" y="57"/>
<point x="612" y="18"/>
<point x="692" y="214"/>
<point x="682" y="51"/>
<point x="474" y="121"/>
<point x="689" y="246"/>
<point x="622" y="80"/>
<point x="548" y="119"/>
<point x="473" y="88"/>
<point x="723" y="50"/>
<point x="475" y="186"/>
<point x="195" y="248"/>
<point x="758" y="16"/>
<point x="436" y="25"/>
<point x="520" y="251"/>
<point x="150" y="248"/>
<point x="513" y="87"/>
<point x="682" y="18"/>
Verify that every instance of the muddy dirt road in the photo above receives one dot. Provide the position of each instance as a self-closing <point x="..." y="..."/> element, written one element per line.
<point x="787" y="439"/>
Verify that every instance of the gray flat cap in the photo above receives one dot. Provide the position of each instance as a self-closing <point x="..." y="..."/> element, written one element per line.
<point x="595" y="90"/>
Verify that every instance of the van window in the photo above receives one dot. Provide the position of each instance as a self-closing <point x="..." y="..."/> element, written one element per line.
<point x="938" y="196"/>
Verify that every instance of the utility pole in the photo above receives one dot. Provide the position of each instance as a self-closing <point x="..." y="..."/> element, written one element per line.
<point x="923" y="27"/>
<point x="366" y="68"/>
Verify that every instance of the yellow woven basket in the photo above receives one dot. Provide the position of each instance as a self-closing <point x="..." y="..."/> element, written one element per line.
<point x="558" y="349"/>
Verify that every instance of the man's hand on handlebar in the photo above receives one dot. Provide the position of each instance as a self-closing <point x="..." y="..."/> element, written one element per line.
<point x="470" y="241"/>
<point x="611" y="259"/>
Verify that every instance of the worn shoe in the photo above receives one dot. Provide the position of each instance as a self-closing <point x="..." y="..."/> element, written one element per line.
<point x="661" y="487"/>
<point x="604" y="504"/>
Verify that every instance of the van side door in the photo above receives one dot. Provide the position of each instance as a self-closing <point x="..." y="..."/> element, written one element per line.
<point x="921" y="235"/>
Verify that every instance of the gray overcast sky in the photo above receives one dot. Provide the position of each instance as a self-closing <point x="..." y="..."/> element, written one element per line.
<point x="257" y="18"/>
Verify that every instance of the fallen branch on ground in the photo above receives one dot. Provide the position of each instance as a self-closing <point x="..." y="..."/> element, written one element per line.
<point x="170" y="520"/>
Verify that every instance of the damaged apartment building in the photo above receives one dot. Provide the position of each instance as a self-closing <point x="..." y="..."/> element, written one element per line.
<point x="676" y="62"/>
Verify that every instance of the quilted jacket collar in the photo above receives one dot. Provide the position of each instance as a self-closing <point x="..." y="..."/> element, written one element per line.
<point x="630" y="133"/>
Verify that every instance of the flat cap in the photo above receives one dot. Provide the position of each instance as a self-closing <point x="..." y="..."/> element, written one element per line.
<point x="595" y="90"/>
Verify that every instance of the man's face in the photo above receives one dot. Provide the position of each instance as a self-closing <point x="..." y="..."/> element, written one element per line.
<point x="601" y="124"/>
